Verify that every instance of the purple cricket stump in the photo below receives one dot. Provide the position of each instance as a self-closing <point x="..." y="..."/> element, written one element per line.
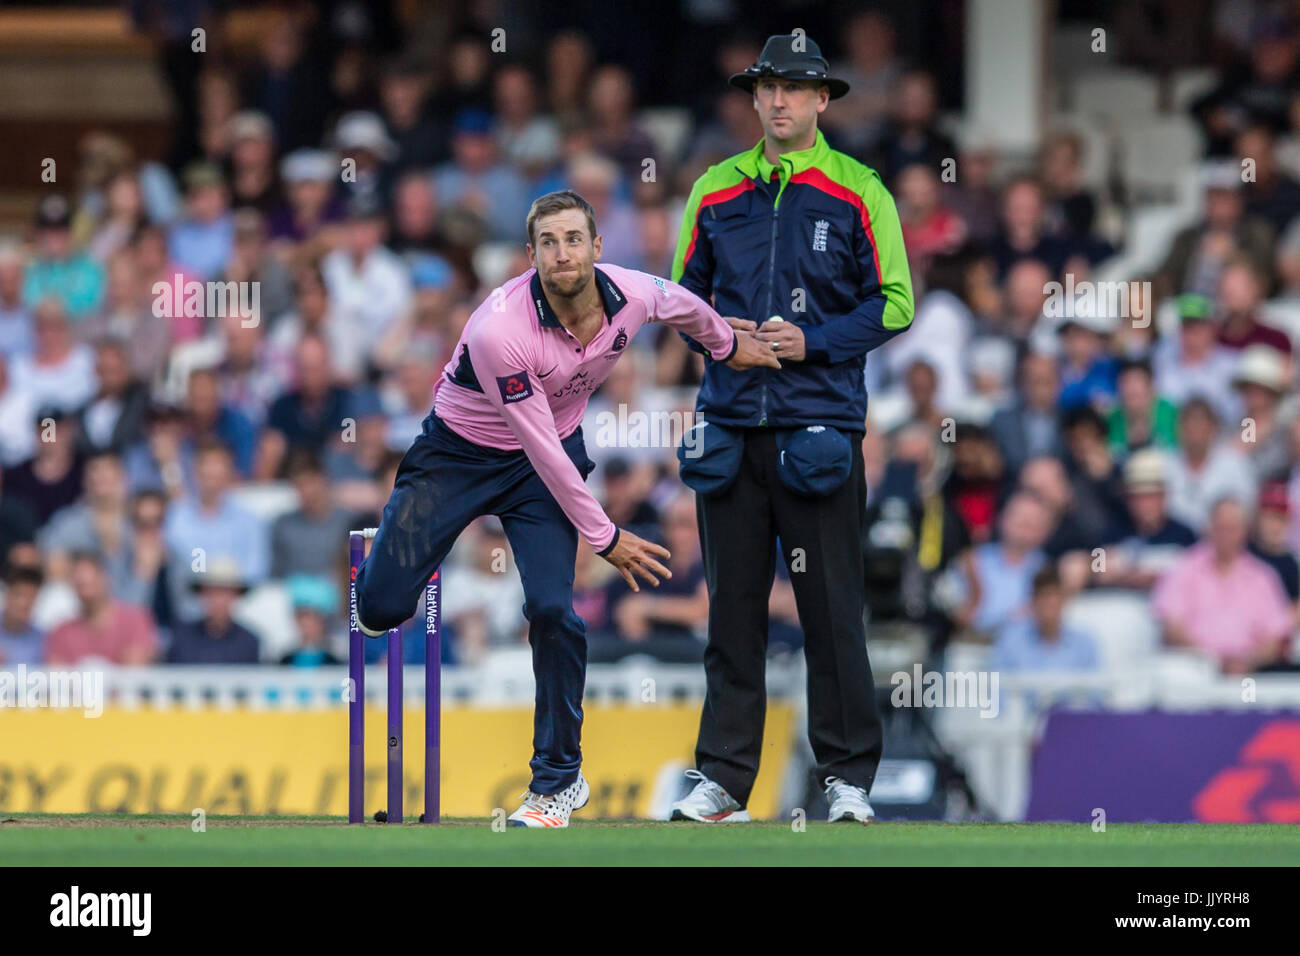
<point x="357" y="689"/>
<point x="395" y="781"/>
<point x="433" y="697"/>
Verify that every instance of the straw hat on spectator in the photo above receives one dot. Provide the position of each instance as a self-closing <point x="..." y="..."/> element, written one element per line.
<point x="364" y="130"/>
<point x="1261" y="365"/>
<point x="1145" y="471"/>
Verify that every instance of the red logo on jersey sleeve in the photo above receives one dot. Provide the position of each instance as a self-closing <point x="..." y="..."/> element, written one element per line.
<point x="514" y="388"/>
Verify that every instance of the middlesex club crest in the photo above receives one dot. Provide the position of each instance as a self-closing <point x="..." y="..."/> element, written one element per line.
<point x="620" y="341"/>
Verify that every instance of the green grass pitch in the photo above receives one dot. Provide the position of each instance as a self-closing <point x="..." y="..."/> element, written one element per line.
<point x="38" y="840"/>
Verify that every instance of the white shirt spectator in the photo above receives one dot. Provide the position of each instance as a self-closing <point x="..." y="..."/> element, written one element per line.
<point x="374" y="295"/>
<point x="942" y="331"/>
<point x="67" y="385"/>
<point x="1177" y="380"/>
<point x="1225" y="474"/>
<point x="17" y="426"/>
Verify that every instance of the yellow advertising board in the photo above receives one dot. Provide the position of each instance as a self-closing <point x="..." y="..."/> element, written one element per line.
<point x="295" y="762"/>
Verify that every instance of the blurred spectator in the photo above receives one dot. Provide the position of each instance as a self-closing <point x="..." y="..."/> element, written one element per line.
<point x="287" y="83"/>
<point x="150" y="584"/>
<point x="98" y="522"/>
<point x="946" y="323"/>
<point x="1140" y="417"/>
<point x="209" y="526"/>
<point x="526" y="139"/>
<point x="1200" y="252"/>
<point x="128" y="318"/>
<point x="568" y="67"/>
<point x="1005" y="568"/>
<point x="664" y="622"/>
<point x="596" y="179"/>
<point x="1192" y="362"/>
<point x="253" y="179"/>
<point x="1262" y="378"/>
<point x="57" y="267"/>
<point x="873" y="72"/>
<point x="202" y="242"/>
<point x="17" y="523"/>
<point x="1240" y="293"/>
<point x="1269" y="539"/>
<point x="17" y="412"/>
<point x="21" y="641"/>
<point x="1273" y="196"/>
<point x="105" y="629"/>
<point x="911" y="134"/>
<point x="1222" y="601"/>
<point x="1030" y="427"/>
<point x="210" y="418"/>
<point x="216" y="638"/>
<point x="1023" y="234"/>
<point x="420" y="139"/>
<point x="1094" y="472"/>
<point x="122" y="215"/>
<point x="364" y="144"/>
<point x="250" y="377"/>
<point x="478" y="183"/>
<point x="310" y="204"/>
<point x="250" y="263"/>
<point x="466" y="80"/>
<point x="113" y="419"/>
<point x="314" y="314"/>
<point x="60" y="372"/>
<point x="481" y="597"/>
<point x="1072" y="535"/>
<point x="304" y="541"/>
<point x="974" y="485"/>
<point x="308" y="417"/>
<point x="1042" y="641"/>
<point x="1148" y="542"/>
<point x="1071" y="207"/>
<point x="1255" y="90"/>
<point x="15" y="316"/>
<point x="315" y="609"/>
<point x="367" y="282"/>
<point x="626" y="497"/>
<point x="929" y="226"/>
<point x="51" y="478"/>
<point x="611" y="98"/>
<point x="164" y="280"/>
<point x="163" y="460"/>
<point x="1088" y="373"/>
<point x="1205" y="469"/>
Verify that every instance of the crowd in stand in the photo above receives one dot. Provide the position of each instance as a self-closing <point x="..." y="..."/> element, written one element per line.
<point x="1018" y="456"/>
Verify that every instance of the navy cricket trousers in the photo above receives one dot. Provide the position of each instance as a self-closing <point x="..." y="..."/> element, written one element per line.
<point x="443" y="483"/>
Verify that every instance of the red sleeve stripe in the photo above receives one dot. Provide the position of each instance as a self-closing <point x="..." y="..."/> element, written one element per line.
<point x="712" y="199"/>
<point x="819" y="180"/>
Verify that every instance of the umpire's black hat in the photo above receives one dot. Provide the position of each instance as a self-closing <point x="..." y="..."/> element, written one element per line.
<point x="794" y="57"/>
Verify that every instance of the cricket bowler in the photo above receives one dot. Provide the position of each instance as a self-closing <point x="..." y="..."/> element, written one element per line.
<point x="504" y="438"/>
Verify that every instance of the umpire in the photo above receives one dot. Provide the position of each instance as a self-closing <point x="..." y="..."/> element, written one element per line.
<point x="805" y="243"/>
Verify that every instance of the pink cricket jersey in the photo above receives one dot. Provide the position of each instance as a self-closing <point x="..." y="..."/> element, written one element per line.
<point x="519" y="380"/>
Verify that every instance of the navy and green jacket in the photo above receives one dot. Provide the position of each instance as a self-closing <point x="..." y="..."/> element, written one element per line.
<point x="819" y="227"/>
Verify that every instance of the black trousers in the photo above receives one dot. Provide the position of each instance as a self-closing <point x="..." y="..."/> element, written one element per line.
<point x="820" y="542"/>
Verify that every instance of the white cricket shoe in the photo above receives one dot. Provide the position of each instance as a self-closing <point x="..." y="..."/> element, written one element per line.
<point x="848" y="803"/>
<point x="708" y="803"/>
<point x="551" y="809"/>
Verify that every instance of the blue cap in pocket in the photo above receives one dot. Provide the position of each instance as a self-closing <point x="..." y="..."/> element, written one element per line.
<point x="815" y="460"/>
<point x="709" y="457"/>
